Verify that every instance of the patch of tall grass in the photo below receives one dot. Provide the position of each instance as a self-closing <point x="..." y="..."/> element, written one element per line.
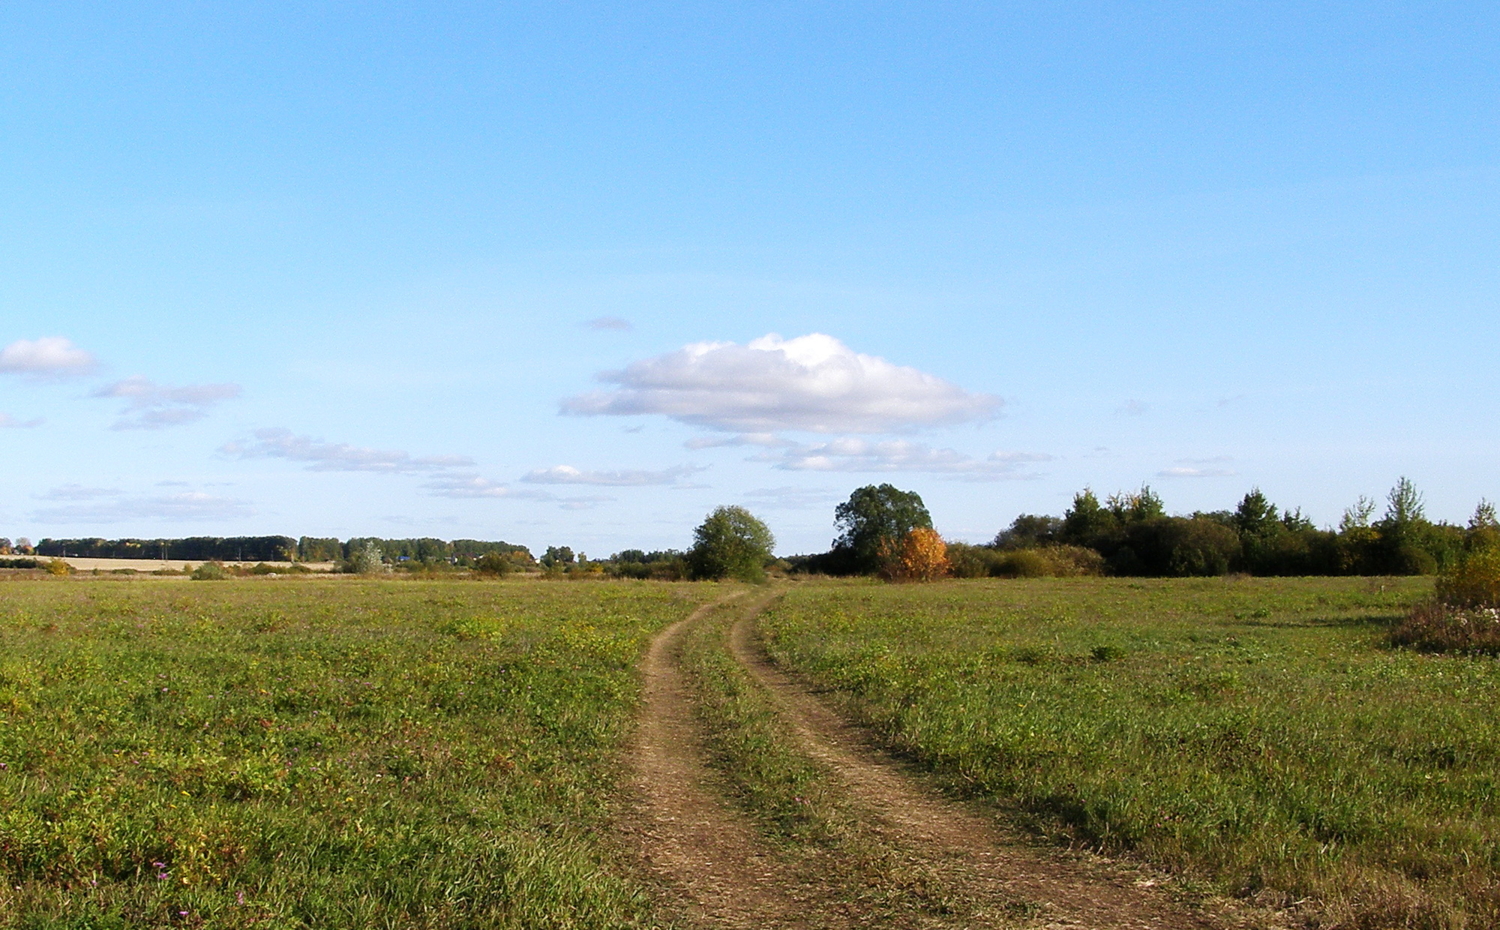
<point x="1257" y="734"/>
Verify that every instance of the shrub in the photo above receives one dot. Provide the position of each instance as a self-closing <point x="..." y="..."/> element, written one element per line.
<point x="1024" y="563"/>
<point x="1437" y="627"/>
<point x="1472" y="582"/>
<point x="493" y="564"/>
<point x="366" y="560"/>
<point x="923" y="556"/>
<point x="1049" y="562"/>
<point x="210" y="571"/>
<point x="1074" y="561"/>
<point x="966" y="561"/>
<point x="730" y="543"/>
<point x="59" y="567"/>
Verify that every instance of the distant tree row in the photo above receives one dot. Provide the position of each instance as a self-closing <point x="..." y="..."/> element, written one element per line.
<point x="195" y="548"/>
<point x="885" y="531"/>
<point x="1133" y="535"/>
<point x="281" y="549"/>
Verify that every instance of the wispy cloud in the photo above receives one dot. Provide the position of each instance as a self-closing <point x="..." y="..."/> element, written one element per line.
<point x="859" y="455"/>
<point x="768" y="440"/>
<point x="467" y="486"/>
<point x="1133" y="408"/>
<point x="609" y="323"/>
<point x="476" y="487"/>
<point x="812" y="383"/>
<point x="583" y="502"/>
<point x="156" y="406"/>
<point x="622" y="478"/>
<point x="1199" y="468"/>
<point x="77" y="492"/>
<point x="9" y="422"/>
<point x="190" y="506"/>
<point x="339" y="456"/>
<point x="790" y="498"/>
<point x="46" y="358"/>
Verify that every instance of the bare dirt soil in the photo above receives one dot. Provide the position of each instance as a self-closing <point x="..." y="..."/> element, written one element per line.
<point x="717" y="872"/>
<point x="709" y="859"/>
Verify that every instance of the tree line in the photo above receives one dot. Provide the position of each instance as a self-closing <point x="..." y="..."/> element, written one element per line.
<point x="273" y="549"/>
<point x="881" y="531"/>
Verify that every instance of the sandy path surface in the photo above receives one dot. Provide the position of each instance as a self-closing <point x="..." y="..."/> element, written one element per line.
<point x="709" y="856"/>
<point x="718" y="872"/>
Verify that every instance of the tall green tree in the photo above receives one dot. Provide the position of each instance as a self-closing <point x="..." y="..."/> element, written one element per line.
<point x="874" y="521"/>
<point x="730" y="543"/>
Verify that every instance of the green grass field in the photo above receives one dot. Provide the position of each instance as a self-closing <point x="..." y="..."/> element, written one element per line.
<point x="1257" y="736"/>
<point x="318" y="752"/>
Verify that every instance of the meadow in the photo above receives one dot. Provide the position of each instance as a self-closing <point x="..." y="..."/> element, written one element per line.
<point x="1257" y="737"/>
<point x="305" y="752"/>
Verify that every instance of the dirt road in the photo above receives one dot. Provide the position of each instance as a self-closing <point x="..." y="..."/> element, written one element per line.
<point x="720" y="872"/>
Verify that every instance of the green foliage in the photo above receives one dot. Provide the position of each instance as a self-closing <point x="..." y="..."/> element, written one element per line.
<point x="1473" y="581"/>
<point x="1256" y="516"/>
<point x="339" y="753"/>
<point x="1054" y="561"/>
<point x="1029" y="530"/>
<point x="661" y="565"/>
<point x="313" y="549"/>
<point x="493" y="564"/>
<point x="209" y="571"/>
<point x="1087" y="520"/>
<point x="1135" y="507"/>
<point x="873" y="521"/>
<point x="1251" y="732"/>
<point x="208" y="548"/>
<point x="367" y="559"/>
<point x="557" y="556"/>
<point x="730" y="543"/>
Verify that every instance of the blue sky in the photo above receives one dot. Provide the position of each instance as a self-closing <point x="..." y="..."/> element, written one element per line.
<point x="576" y="274"/>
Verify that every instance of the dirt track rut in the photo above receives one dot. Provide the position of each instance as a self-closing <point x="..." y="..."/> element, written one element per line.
<point x="724" y="876"/>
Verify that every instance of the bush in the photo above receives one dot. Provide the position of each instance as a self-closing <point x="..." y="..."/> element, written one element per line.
<point x="210" y="571"/>
<point x="1437" y="627"/>
<point x="59" y="567"/>
<point x="493" y="564"/>
<point x="1057" y="561"/>
<point x="1473" y="582"/>
<point x="366" y="560"/>
<point x="1050" y="562"/>
<point x="923" y="556"/>
<point x="1024" y="563"/>
<point x="966" y="561"/>
<point x="730" y="543"/>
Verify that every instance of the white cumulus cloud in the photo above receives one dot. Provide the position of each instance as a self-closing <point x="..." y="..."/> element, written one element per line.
<point x="155" y="406"/>
<point x="813" y="383"/>
<point x="899" y="455"/>
<point x="636" y="477"/>
<point x="338" y="456"/>
<point x="47" y="357"/>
